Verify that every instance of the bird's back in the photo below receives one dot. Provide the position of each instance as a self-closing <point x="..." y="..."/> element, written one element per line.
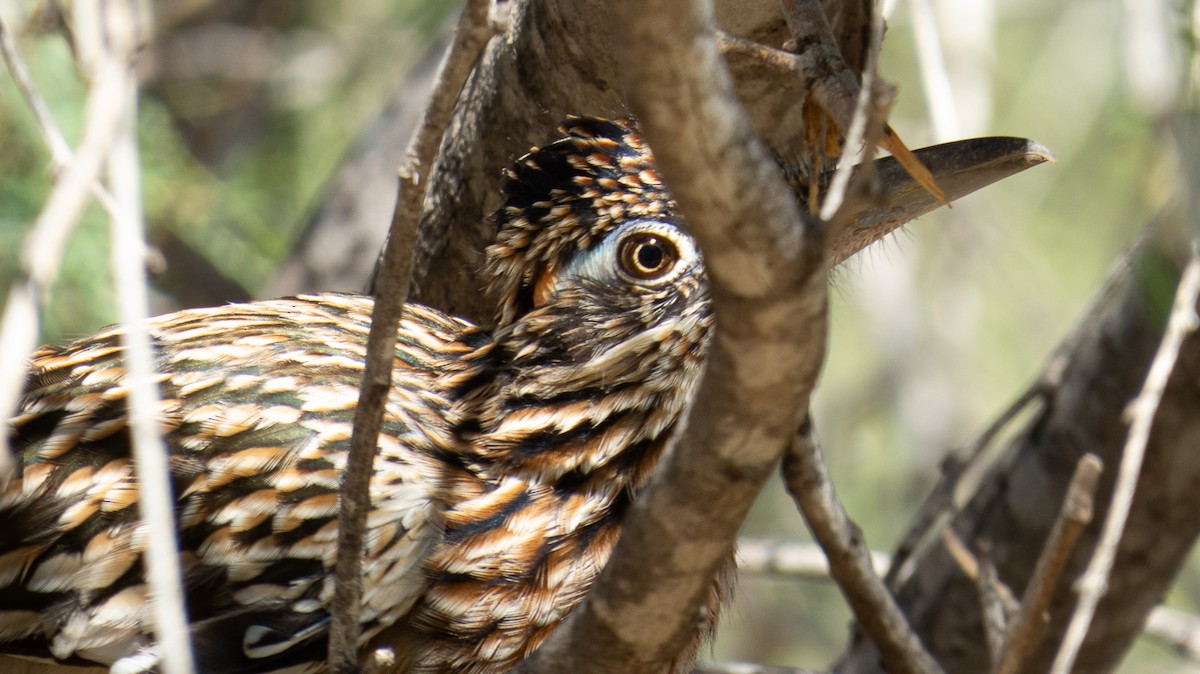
<point x="257" y="406"/>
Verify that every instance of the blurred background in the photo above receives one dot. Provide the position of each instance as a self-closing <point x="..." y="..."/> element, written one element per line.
<point x="249" y="107"/>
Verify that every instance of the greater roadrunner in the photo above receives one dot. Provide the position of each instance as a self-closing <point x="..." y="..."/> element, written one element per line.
<point x="507" y="460"/>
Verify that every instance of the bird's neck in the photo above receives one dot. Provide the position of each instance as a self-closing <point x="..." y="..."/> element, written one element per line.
<point x="562" y="436"/>
<point x="562" y="414"/>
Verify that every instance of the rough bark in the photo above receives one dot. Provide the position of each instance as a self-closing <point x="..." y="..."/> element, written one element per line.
<point x="558" y="60"/>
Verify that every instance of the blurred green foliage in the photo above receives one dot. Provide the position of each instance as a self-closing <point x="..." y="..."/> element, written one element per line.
<point x="245" y="114"/>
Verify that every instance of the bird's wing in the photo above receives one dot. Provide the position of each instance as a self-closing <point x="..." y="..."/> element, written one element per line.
<point x="257" y="406"/>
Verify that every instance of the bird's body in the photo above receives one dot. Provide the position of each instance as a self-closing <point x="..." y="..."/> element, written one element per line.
<point x="506" y="462"/>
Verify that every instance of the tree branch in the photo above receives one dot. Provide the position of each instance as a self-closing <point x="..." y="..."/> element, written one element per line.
<point x="392" y="292"/>
<point x="1142" y="410"/>
<point x="808" y="482"/>
<point x="764" y="357"/>
<point x="1075" y="514"/>
<point x="42" y="252"/>
<point x="787" y="559"/>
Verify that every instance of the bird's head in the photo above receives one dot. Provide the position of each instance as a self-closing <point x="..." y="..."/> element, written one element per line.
<point x="589" y="242"/>
<point x="604" y="311"/>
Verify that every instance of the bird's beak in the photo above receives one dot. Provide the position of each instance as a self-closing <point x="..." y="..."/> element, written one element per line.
<point x="959" y="168"/>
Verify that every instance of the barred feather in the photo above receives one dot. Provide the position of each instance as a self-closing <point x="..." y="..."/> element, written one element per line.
<point x="507" y="460"/>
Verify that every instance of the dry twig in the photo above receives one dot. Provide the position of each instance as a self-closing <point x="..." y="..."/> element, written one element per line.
<point x="808" y="482"/>
<point x="787" y="559"/>
<point x="43" y="249"/>
<point x="958" y="483"/>
<point x="107" y="39"/>
<point x="1141" y="412"/>
<point x="835" y="88"/>
<point x="1178" y="630"/>
<point x="108" y="32"/>
<point x="996" y="602"/>
<point x="804" y="468"/>
<point x="1074" y="515"/>
<point x="962" y="477"/>
<point x="392" y="284"/>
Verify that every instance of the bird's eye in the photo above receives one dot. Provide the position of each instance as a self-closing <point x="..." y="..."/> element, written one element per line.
<point x="647" y="256"/>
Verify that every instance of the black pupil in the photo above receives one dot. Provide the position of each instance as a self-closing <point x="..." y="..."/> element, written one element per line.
<point x="650" y="255"/>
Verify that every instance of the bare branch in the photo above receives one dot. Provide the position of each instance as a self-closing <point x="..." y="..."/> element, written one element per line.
<point x="391" y="294"/>
<point x="43" y="249"/>
<point x="108" y="33"/>
<point x="1178" y="630"/>
<point x="962" y="477"/>
<point x="804" y="468"/>
<point x="835" y="86"/>
<point x="1076" y="513"/>
<point x="60" y="150"/>
<point x="975" y="570"/>
<point x="749" y="668"/>
<point x="935" y="81"/>
<point x="996" y="603"/>
<point x="1142" y="410"/>
<point x="1097" y="371"/>
<point x="808" y="482"/>
<point x="786" y="559"/>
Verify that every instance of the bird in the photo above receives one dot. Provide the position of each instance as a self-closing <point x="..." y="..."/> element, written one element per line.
<point x="508" y="457"/>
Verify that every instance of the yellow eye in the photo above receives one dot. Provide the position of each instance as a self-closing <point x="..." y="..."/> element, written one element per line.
<point x="647" y="256"/>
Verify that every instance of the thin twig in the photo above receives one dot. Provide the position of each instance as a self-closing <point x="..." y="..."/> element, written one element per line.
<point x="833" y="83"/>
<point x="1025" y="631"/>
<point x="60" y="150"/>
<point x="43" y="249"/>
<point x="748" y="668"/>
<point x="808" y="482"/>
<point x="18" y="339"/>
<point x="870" y="112"/>
<point x="391" y="293"/>
<point x="808" y="71"/>
<point x="962" y="556"/>
<point x="1094" y="582"/>
<point x="787" y="559"/>
<point x="115" y="42"/>
<point x="935" y="80"/>
<point x="1175" y="629"/>
<point x="996" y="602"/>
<point x="971" y="566"/>
<point x="804" y="467"/>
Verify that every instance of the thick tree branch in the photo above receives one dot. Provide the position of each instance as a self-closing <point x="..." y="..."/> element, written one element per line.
<point x="1142" y="411"/>
<point x="768" y="288"/>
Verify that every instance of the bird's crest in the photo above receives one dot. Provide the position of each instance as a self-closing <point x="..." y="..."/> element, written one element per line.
<point x="564" y="197"/>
